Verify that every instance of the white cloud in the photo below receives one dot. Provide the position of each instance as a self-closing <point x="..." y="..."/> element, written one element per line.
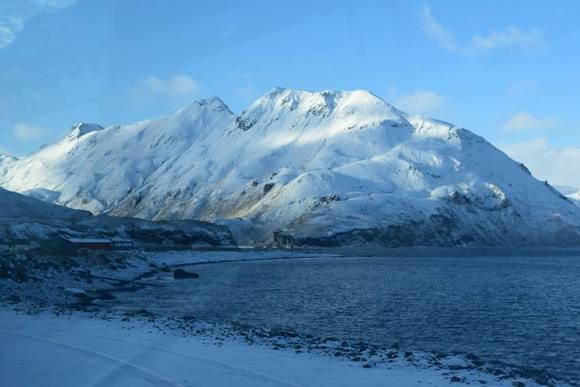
<point x="511" y="36"/>
<point x="179" y="85"/>
<point x="436" y="31"/>
<point x="9" y="27"/>
<point x="527" y="121"/>
<point x="27" y="132"/>
<point x="420" y="101"/>
<point x="557" y="165"/>
<point x="54" y="5"/>
<point x="176" y="87"/>
<point x="15" y="13"/>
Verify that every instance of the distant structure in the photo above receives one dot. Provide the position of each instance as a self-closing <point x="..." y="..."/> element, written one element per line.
<point x="283" y="240"/>
<point x="58" y="246"/>
<point x="122" y="244"/>
<point x="91" y="244"/>
<point x="71" y="246"/>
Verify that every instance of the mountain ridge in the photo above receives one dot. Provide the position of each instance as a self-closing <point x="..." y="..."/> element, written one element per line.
<point x="333" y="166"/>
<point x="23" y="217"/>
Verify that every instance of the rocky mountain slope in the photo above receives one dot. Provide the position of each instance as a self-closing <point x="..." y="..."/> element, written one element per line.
<point x="331" y="167"/>
<point x="22" y="217"/>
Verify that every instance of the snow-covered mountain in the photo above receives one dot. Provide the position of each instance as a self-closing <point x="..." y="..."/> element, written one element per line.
<point x="29" y="218"/>
<point x="572" y="193"/>
<point x="17" y="206"/>
<point x="575" y="197"/>
<point x="324" y="168"/>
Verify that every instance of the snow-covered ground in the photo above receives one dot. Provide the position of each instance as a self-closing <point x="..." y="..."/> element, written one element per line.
<point x="45" y="342"/>
<point x="43" y="350"/>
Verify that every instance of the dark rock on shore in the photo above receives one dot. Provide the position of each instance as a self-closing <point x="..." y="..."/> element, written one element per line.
<point x="183" y="274"/>
<point x="140" y="313"/>
<point x="106" y="296"/>
<point x="13" y="299"/>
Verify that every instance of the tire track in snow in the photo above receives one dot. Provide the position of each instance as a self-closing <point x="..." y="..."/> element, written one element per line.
<point x="215" y="363"/>
<point x="153" y="377"/>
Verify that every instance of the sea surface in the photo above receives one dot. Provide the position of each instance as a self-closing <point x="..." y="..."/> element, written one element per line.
<point x="514" y="307"/>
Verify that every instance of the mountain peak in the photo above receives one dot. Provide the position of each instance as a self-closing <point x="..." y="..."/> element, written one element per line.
<point x="5" y="157"/>
<point x="278" y="92"/>
<point x="83" y="128"/>
<point x="213" y="104"/>
<point x="280" y="98"/>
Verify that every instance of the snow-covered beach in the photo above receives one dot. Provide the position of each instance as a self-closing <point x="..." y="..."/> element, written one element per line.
<point x="85" y="344"/>
<point x="43" y="350"/>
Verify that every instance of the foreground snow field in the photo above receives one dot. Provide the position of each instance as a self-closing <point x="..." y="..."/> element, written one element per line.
<point x="51" y="336"/>
<point x="74" y="351"/>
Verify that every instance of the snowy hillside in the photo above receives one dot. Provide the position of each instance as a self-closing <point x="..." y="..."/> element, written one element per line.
<point x="22" y="217"/>
<point x="324" y="168"/>
<point x="16" y="206"/>
<point x="575" y="197"/>
<point x="572" y="193"/>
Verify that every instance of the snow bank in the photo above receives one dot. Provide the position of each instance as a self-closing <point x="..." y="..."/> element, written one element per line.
<point x="74" y="351"/>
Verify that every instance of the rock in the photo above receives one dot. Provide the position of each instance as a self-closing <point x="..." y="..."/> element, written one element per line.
<point x="84" y="274"/>
<point x="542" y="379"/>
<point x="278" y="332"/>
<point x="83" y="299"/>
<point x="106" y="296"/>
<point x="268" y="187"/>
<point x="76" y="291"/>
<point x="476" y="361"/>
<point x="139" y="313"/>
<point x="20" y="274"/>
<point x="4" y="273"/>
<point x="148" y="274"/>
<point x="182" y="274"/>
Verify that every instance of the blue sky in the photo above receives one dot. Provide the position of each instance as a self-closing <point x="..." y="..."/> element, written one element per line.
<point x="505" y="70"/>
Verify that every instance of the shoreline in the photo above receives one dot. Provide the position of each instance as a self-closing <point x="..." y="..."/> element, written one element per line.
<point x="151" y="357"/>
<point x="448" y="368"/>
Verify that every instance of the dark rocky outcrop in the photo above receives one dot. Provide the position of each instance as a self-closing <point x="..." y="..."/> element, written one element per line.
<point x="184" y="274"/>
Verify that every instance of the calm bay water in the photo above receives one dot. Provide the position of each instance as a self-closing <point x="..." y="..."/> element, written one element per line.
<point x="512" y="308"/>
